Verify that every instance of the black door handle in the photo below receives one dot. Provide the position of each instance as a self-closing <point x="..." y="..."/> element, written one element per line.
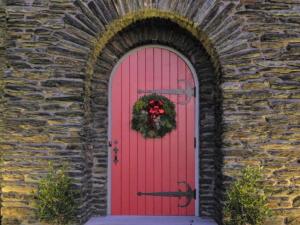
<point x="116" y="150"/>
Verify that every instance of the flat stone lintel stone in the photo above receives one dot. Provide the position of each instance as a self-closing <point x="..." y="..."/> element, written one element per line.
<point x="150" y="220"/>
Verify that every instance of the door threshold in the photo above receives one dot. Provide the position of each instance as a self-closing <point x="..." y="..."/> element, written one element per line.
<point x="150" y="220"/>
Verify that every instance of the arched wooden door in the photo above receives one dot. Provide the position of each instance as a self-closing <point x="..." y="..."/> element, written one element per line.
<point x="157" y="167"/>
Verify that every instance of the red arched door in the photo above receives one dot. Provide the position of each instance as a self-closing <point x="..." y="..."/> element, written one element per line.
<point x="152" y="166"/>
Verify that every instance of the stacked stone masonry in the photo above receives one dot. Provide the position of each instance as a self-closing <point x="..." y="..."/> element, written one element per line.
<point x="56" y="57"/>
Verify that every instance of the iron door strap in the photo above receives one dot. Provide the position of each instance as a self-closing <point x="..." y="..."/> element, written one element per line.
<point x="189" y="194"/>
<point x="188" y="91"/>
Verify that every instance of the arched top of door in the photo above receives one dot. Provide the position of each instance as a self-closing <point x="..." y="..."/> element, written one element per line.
<point x="179" y="54"/>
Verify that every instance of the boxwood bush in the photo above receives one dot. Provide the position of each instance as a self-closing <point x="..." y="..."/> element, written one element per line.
<point x="56" y="196"/>
<point x="247" y="199"/>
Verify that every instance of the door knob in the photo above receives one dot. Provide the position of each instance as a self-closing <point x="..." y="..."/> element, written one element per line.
<point x="115" y="150"/>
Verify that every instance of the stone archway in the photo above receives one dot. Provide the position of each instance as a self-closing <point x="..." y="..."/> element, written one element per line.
<point x="163" y="32"/>
<point x="106" y="31"/>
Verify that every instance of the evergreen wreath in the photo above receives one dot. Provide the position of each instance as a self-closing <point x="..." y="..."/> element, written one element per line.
<point x="153" y="116"/>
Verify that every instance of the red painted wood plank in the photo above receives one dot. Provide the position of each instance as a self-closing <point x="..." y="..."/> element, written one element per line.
<point x="125" y="150"/>
<point x="149" y="142"/>
<point x="141" y="64"/>
<point x="116" y="135"/>
<point x="166" y="203"/>
<point x="133" y="79"/>
<point x="157" y="164"/>
<point x="181" y="132"/>
<point x="173" y="135"/>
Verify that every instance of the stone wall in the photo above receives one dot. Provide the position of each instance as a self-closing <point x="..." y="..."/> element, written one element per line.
<point x="2" y="69"/>
<point x="40" y="123"/>
<point x="261" y="102"/>
<point x="54" y="49"/>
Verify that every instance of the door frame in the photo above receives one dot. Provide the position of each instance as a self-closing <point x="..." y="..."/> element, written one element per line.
<point x="197" y="110"/>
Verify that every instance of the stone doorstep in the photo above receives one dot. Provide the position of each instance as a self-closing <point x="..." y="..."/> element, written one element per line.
<point x="150" y="220"/>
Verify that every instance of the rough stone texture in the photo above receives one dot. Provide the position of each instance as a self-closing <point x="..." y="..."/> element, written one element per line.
<point x="2" y="69"/>
<point x="59" y="56"/>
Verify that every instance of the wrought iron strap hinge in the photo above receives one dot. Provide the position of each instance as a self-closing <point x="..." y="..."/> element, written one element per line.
<point x="189" y="194"/>
<point x="188" y="91"/>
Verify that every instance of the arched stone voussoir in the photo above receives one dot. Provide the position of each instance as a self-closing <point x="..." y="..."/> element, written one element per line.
<point x="212" y="22"/>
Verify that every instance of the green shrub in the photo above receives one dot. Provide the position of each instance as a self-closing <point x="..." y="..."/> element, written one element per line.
<point x="55" y="197"/>
<point x="246" y="199"/>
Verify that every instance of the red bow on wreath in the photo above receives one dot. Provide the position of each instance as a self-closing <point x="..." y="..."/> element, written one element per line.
<point x="155" y="108"/>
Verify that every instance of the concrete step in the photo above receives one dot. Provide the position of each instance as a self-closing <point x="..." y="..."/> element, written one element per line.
<point x="150" y="220"/>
